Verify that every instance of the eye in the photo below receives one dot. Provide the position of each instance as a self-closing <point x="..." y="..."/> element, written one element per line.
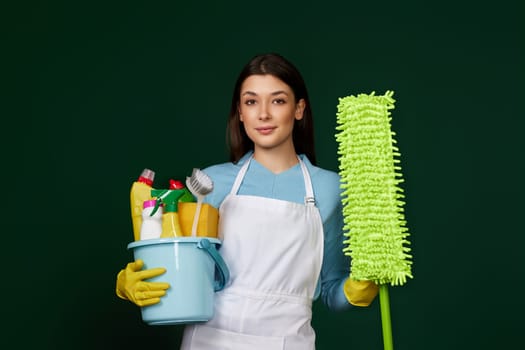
<point x="249" y="101"/>
<point x="279" y="101"/>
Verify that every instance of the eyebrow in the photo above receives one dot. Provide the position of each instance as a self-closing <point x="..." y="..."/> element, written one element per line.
<point x="275" y="93"/>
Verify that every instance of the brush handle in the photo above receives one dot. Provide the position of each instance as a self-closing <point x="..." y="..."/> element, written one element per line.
<point x="196" y="218"/>
<point x="384" y="301"/>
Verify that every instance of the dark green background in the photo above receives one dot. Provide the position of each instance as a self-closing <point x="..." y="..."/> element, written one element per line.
<point x="95" y="92"/>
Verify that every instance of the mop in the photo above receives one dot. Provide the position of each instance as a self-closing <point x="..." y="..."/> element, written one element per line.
<point x="376" y="236"/>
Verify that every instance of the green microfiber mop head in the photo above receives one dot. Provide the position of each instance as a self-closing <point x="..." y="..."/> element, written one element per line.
<point x="372" y="199"/>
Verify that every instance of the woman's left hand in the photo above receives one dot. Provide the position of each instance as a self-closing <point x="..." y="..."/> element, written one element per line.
<point x="360" y="293"/>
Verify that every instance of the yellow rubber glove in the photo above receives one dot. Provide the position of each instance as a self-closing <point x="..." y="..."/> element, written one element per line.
<point x="131" y="285"/>
<point x="360" y="293"/>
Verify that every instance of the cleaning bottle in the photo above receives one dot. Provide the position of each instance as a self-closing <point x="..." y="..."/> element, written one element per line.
<point x="151" y="221"/>
<point x="140" y="192"/>
<point x="170" y="199"/>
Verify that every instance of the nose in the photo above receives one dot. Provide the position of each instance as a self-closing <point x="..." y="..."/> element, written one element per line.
<point x="264" y="113"/>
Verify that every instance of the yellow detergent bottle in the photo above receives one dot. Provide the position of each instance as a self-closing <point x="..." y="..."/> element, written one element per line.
<point x="140" y="192"/>
<point x="170" y="218"/>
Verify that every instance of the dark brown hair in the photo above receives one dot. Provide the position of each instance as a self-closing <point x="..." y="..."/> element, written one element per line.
<point x="277" y="66"/>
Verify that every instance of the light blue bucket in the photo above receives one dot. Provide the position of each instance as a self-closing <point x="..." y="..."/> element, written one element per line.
<point x="190" y="264"/>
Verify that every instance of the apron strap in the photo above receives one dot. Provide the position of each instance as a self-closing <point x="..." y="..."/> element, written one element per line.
<point x="309" y="199"/>
<point x="240" y="177"/>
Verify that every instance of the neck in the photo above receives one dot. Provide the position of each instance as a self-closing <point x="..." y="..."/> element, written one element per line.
<point x="276" y="161"/>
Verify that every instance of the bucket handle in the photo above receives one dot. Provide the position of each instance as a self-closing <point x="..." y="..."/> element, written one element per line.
<point x="224" y="273"/>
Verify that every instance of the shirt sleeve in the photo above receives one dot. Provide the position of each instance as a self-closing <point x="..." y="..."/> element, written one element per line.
<point x="336" y="265"/>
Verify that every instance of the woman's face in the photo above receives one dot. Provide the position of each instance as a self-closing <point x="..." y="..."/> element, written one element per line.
<point x="268" y="110"/>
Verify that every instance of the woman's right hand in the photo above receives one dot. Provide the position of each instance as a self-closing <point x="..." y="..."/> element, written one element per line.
<point x="131" y="285"/>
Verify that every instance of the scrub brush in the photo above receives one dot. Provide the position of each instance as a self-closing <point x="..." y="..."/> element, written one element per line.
<point x="199" y="185"/>
<point x="372" y="199"/>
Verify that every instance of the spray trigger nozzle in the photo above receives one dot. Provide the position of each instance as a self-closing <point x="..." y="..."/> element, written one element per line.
<point x="158" y="203"/>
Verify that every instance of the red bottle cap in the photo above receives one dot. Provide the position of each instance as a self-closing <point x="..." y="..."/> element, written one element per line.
<point x="176" y="185"/>
<point x="147" y="177"/>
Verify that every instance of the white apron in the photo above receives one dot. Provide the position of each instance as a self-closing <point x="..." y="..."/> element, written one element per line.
<point x="274" y="251"/>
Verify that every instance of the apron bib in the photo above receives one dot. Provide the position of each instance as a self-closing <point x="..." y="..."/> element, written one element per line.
<point x="274" y="251"/>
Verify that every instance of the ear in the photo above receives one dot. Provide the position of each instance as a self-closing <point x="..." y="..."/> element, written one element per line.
<point x="299" y="109"/>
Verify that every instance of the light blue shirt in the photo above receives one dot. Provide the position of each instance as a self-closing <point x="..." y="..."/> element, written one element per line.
<point x="289" y="186"/>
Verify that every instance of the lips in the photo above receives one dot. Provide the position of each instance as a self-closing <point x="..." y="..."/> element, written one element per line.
<point x="265" y="130"/>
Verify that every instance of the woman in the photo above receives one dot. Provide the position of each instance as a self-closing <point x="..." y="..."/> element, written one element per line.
<point x="281" y="223"/>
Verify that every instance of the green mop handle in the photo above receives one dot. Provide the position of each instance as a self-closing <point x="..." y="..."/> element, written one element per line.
<point x="384" y="301"/>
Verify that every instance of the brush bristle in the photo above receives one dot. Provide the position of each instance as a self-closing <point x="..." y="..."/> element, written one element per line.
<point x="372" y="199"/>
